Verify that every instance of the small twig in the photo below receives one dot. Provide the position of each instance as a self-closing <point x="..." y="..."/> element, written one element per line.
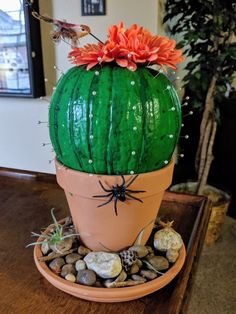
<point x="53" y="255"/>
<point x="125" y="283"/>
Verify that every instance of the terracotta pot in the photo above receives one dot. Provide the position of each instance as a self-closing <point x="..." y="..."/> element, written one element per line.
<point x="99" y="227"/>
<point x="107" y="294"/>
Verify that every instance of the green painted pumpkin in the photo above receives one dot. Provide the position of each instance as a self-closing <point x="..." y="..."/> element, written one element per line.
<point x="111" y="120"/>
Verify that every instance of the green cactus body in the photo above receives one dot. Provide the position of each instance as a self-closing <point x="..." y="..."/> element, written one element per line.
<point x="111" y="120"/>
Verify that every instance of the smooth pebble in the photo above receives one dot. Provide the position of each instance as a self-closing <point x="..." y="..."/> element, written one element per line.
<point x="86" y="277"/>
<point x="62" y="246"/>
<point x="72" y="258"/>
<point x="82" y="250"/>
<point x="106" y="265"/>
<point x="134" y="269"/>
<point x="137" y="277"/>
<point x="45" y="248"/>
<point x="141" y="250"/>
<point x="68" y="269"/>
<point x="149" y="274"/>
<point x="172" y="255"/>
<point x="56" y="264"/>
<point x="70" y="277"/>
<point x="80" y="265"/>
<point x="158" y="262"/>
<point x="167" y="238"/>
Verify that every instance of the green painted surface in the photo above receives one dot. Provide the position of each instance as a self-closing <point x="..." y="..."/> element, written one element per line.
<point x="110" y="120"/>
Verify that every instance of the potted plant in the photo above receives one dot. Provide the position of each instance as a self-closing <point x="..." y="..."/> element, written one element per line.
<point x="207" y="29"/>
<point x="114" y="124"/>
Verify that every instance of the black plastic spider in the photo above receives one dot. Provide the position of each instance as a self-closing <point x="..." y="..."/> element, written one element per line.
<point x="119" y="192"/>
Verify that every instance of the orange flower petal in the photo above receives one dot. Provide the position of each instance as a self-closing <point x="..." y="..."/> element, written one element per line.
<point x="91" y="65"/>
<point x="128" y="47"/>
<point x="122" y="62"/>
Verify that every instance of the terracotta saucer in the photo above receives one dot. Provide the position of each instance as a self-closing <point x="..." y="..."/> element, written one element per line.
<point x="108" y="294"/>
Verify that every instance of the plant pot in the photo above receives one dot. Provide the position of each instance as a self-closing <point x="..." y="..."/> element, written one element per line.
<point x="107" y="294"/>
<point x="220" y="202"/>
<point x="99" y="227"/>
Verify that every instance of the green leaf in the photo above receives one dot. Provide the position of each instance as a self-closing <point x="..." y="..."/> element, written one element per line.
<point x="70" y="235"/>
<point x="54" y="218"/>
<point x="232" y="52"/>
<point x="36" y="243"/>
<point x="140" y="235"/>
<point x="33" y="234"/>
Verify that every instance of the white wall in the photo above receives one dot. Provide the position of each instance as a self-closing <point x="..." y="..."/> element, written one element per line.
<point x="21" y="138"/>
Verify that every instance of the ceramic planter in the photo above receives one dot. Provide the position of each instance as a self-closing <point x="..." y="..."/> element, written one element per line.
<point x="99" y="227"/>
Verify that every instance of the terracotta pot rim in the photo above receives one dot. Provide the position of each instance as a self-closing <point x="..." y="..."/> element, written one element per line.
<point x="108" y="294"/>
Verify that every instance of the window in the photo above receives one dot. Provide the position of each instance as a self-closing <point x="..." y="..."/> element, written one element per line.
<point x="21" y="68"/>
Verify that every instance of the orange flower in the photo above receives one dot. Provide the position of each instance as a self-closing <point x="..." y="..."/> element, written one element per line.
<point x="128" y="48"/>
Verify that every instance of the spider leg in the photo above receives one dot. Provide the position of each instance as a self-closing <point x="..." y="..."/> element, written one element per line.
<point x="135" y="198"/>
<point x="123" y="179"/>
<point x="103" y="195"/>
<point x="131" y="181"/>
<point x="102" y="186"/>
<point x="116" y="200"/>
<point x="138" y="191"/>
<point x="103" y="204"/>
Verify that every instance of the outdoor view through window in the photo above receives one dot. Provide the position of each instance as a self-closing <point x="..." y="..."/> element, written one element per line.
<point x="14" y="68"/>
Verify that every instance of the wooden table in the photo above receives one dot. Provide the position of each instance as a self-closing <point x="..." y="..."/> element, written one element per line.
<point x="25" y="204"/>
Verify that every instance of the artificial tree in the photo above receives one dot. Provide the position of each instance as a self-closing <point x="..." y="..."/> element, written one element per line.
<point x="208" y="28"/>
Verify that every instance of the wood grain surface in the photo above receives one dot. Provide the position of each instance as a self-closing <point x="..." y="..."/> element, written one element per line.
<point x="25" y="206"/>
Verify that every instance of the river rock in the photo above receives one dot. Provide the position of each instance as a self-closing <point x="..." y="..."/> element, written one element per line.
<point x="137" y="277"/>
<point x="167" y="238"/>
<point x="134" y="269"/>
<point x="62" y="246"/>
<point x="45" y="248"/>
<point x="106" y="265"/>
<point x="158" y="262"/>
<point x="70" y="277"/>
<point x="80" y="265"/>
<point x="82" y="250"/>
<point x="98" y="284"/>
<point x="122" y="276"/>
<point x="172" y="255"/>
<point x="139" y="263"/>
<point x="68" y="269"/>
<point x="141" y="250"/>
<point x="57" y="264"/>
<point x="149" y="274"/>
<point x="72" y="258"/>
<point x="86" y="277"/>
